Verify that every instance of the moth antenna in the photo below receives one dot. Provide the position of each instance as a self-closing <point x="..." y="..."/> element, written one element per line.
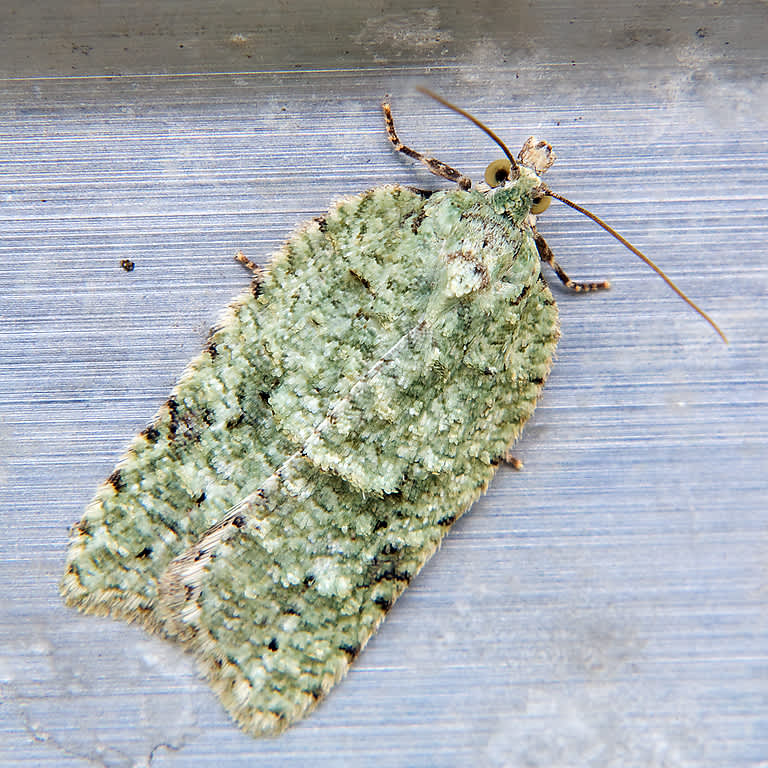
<point x="473" y="119"/>
<point x="623" y="240"/>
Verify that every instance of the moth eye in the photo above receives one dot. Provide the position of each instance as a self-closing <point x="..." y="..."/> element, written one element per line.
<point x="540" y="204"/>
<point x="497" y="172"/>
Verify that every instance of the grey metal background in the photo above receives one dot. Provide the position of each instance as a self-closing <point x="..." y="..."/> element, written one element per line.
<point x="604" y="607"/>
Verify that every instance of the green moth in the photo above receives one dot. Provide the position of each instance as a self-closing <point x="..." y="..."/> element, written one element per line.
<point x="349" y="408"/>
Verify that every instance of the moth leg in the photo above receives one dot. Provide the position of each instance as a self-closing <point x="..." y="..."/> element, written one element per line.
<point x="436" y="166"/>
<point x="546" y="255"/>
<point x="512" y="461"/>
<point x="251" y="266"/>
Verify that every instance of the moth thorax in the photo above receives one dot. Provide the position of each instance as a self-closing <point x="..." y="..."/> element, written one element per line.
<point x="466" y="273"/>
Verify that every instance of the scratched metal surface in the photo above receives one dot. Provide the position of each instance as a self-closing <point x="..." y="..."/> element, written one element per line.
<point x="606" y="606"/>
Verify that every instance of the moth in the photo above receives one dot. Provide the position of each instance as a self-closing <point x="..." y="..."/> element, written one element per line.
<point x="350" y="407"/>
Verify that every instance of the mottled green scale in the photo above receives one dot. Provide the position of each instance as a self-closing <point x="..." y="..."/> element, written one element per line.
<point x="348" y="410"/>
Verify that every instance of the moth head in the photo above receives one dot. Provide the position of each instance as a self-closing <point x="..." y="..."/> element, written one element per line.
<point x="537" y="155"/>
<point x="516" y="196"/>
<point x="498" y="172"/>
